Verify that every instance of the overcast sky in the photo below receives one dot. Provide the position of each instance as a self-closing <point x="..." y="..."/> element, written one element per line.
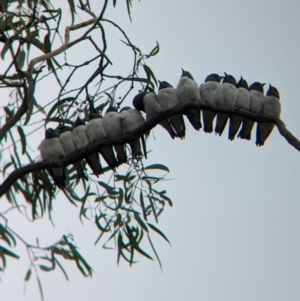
<point x="235" y="224"/>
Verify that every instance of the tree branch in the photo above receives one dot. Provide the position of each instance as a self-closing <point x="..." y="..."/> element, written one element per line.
<point x="181" y="109"/>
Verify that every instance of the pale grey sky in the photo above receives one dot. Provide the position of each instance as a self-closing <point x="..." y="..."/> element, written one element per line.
<point x="235" y="226"/>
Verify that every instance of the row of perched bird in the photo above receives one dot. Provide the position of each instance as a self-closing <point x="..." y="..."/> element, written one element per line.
<point x="65" y="139"/>
<point x="212" y="92"/>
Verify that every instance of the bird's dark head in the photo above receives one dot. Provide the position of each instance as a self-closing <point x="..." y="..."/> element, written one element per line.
<point x="137" y="101"/>
<point x="187" y="74"/>
<point x="163" y="85"/>
<point x="111" y="108"/>
<point x="214" y="77"/>
<point x="229" y="79"/>
<point x="272" y="91"/>
<point x="64" y="128"/>
<point x="125" y="109"/>
<point x="242" y="83"/>
<point x="257" y="86"/>
<point x="94" y="116"/>
<point x="78" y="122"/>
<point x="51" y="133"/>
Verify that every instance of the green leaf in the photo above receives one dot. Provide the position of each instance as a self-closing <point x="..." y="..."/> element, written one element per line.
<point x="157" y="166"/>
<point x="110" y="190"/>
<point x="72" y="9"/>
<point x="154" y="51"/>
<point x="28" y="275"/>
<point x="37" y="43"/>
<point x="7" y="236"/>
<point x="132" y="46"/>
<point x="150" y="73"/>
<point x="40" y="108"/>
<point x="140" y="221"/>
<point x="129" y="4"/>
<point x="156" y="255"/>
<point x="2" y="256"/>
<point x="153" y="208"/>
<point x="8" y="111"/>
<point x="100" y="198"/>
<point x="20" y="59"/>
<point x="62" y="269"/>
<point x="59" y="103"/>
<point x="121" y="197"/>
<point x="9" y="253"/>
<point x="126" y="178"/>
<point x="143" y="205"/>
<point x="167" y="199"/>
<point x="23" y="139"/>
<point x="5" y="48"/>
<point x="6" y="167"/>
<point x="45" y="268"/>
<point x="159" y="232"/>
<point x="106" y="228"/>
<point x="47" y="43"/>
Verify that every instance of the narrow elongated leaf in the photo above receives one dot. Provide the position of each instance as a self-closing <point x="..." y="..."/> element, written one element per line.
<point x="72" y="9"/>
<point x="59" y="103"/>
<point x="6" y="167"/>
<point x="167" y="199"/>
<point x="28" y="275"/>
<point x="5" y="48"/>
<point x="23" y="139"/>
<point x="153" y="208"/>
<point x="156" y="255"/>
<point x="159" y="232"/>
<point x="45" y="268"/>
<point x="157" y="166"/>
<point x="126" y="178"/>
<point x="109" y="189"/>
<point x="143" y="205"/>
<point x="121" y="197"/>
<point x="8" y="111"/>
<point x="106" y="228"/>
<point x="132" y="46"/>
<point x="62" y="268"/>
<point x="155" y="50"/>
<point x="20" y="58"/>
<point x="140" y="221"/>
<point x="150" y="73"/>
<point x="129" y="4"/>
<point x="9" y="253"/>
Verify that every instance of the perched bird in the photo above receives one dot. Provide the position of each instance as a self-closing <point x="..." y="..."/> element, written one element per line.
<point x="67" y="142"/>
<point x="131" y="119"/>
<point x="256" y="91"/>
<point x="95" y="131"/>
<point x="243" y="102"/>
<point x="51" y="150"/>
<point x="168" y="98"/>
<point x="230" y="94"/>
<point x="272" y="107"/>
<point x="188" y="91"/>
<point x="113" y="128"/>
<point x="211" y="93"/>
<point x="148" y="103"/>
<point x="81" y="141"/>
